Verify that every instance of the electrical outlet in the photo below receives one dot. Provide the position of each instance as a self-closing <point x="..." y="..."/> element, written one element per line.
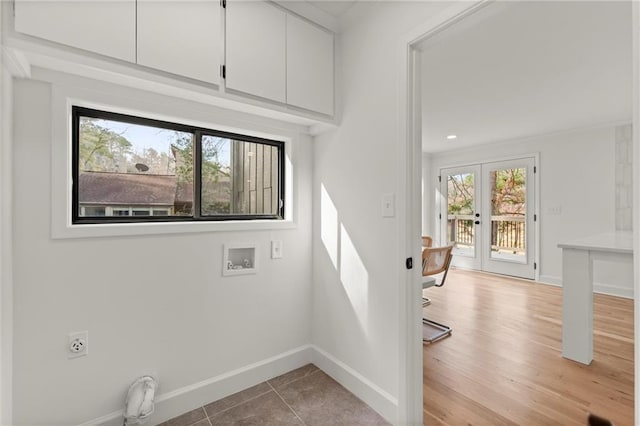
<point x="78" y="344"/>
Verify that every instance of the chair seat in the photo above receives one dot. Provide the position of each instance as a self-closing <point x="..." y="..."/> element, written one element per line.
<point x="435" y="262"/>
<point x="428" y="282"/>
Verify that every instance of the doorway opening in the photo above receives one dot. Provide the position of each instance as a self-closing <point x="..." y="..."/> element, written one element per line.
<point x="561" y="217"/>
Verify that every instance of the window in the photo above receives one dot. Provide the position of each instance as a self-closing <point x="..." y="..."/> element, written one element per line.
<point x="93" y="211"/>
<point x="135" y="169"/>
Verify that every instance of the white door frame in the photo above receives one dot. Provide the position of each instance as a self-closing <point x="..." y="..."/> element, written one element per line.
<point x="410" y="133"/>
<point x="536" y="180"/>
<point x="410" y="404"/>
<point x="481" y="260"/>
<point x="6" y="237"/>
<point x="635" y="16"/>
<point x="12" y="66"/>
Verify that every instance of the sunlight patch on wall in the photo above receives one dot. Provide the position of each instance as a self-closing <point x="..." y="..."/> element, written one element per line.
<point x="354" y="277"/>
<point x="346" y="260"/>
<point x="329" y="226"/>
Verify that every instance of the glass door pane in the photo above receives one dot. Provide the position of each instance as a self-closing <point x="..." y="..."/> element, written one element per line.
<point x="460" y="210"/>
<point x="508" y="214"/>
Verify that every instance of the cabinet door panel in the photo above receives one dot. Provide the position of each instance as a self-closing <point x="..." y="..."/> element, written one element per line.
<point x="255" y="56"/>
<point x="100" y="26"/>
<point x="181" y="37"/>
<point x="309" y="66"/>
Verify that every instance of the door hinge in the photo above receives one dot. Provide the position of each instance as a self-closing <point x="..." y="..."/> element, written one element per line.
<point x="440" y="216"/>
<point x="535" y="266"/>
<point x="535" y="217"/>
<point x="439" y="178"/>
<point x="223" y="71"/>
<point x="535" y="169"/>
<point x="409" y="263"/>
<point x="223" y="3"/>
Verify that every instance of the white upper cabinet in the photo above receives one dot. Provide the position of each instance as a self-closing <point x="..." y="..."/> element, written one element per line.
<point x="256" y="49"/>
<point x="101" y="26"/>
<point x="181" y="37"/>
<point x="309" y="66"/>
<point x="269" y="53"/>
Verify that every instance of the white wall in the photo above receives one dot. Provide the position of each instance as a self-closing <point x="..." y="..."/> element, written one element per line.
<point x="577" y="177"/>
<point x="357" y="257"/>
<point x="150" y="303"/>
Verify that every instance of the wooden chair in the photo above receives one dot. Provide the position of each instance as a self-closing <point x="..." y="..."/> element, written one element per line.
<point x="427" y="241"/>
<point x="435" y="261"/>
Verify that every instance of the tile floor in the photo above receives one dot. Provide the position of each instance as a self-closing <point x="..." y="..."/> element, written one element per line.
<point x="306" y="396"/>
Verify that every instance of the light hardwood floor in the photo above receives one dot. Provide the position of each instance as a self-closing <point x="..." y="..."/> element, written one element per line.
<point x="502" y="365"/>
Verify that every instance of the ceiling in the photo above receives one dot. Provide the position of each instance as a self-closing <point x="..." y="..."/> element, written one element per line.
<point x="518" y="69"/>
<point x="334" y="8"/>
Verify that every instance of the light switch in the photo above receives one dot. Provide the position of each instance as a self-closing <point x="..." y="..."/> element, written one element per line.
<point x="388" y="205"/>
<point x="276" y="249"/>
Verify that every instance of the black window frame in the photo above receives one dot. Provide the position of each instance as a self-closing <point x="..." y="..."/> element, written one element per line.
<point x="198" y="133"/>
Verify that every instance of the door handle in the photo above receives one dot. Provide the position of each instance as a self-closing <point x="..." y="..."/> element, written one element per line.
<point x="477" y="222"/>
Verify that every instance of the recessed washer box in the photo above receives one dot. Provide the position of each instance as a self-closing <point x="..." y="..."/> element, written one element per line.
<point x="240" y="259"/>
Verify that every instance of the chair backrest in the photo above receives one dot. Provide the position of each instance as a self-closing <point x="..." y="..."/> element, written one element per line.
<point x="436" y="260"/>
<point x="427" y="241"/>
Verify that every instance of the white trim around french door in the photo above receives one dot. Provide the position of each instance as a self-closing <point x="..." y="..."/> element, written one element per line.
<point x="488" y="214"/>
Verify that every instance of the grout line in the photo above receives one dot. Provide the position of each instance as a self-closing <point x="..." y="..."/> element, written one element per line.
<point x="273" y="389"/>
<point x="285" y="403"/>
<point x="238" y="404"/>
<point x="191" y="424"/>
<point x="205" y="418"/>
<point x="295" y="380"/>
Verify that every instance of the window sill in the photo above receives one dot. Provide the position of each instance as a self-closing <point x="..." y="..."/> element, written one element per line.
<point x="164" y="228"/>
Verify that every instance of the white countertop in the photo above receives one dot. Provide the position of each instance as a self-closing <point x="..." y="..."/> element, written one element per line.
<point x="614" y="242"/>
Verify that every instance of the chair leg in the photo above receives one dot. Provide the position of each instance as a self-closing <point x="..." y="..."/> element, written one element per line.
<point x="445" y="330"/>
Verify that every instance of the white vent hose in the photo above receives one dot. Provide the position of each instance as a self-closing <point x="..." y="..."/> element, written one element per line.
<point x="139" y="403"/>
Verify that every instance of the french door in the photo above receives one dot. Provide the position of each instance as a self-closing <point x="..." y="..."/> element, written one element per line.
<point x="487" y="213"/>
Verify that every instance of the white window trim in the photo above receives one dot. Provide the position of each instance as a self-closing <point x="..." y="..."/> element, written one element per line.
<point x="173" y="110"/>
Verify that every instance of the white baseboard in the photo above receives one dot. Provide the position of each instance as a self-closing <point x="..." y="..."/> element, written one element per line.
<point x="613" y="290"/>
<point x="377" y="398"/>
<point x="179" y="401"/>
<point x="549" y="280"/>
<point x="599" y="288"/>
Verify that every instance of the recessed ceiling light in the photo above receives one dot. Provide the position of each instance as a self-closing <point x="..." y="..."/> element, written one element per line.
<point x="451" y="137"/>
